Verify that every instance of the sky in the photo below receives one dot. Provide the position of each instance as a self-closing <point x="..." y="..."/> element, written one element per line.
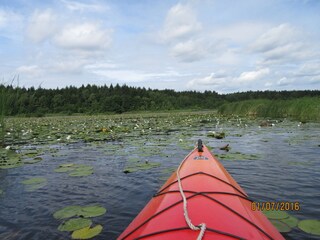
<point x="223" y="46"/>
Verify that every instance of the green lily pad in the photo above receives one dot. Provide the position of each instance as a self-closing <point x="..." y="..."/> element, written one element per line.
<point x="140" y="166"/>
<point x="75" y="170"/>
<point x="33" y="184"/>
<point x="9" y="159"/>
<point x="273" y="214"/>
<point x="35" y="160"/>
<point x="1" y="191"/>
<point x="65" y="167"/>
<point x="290" y="221"/>
<point x="34" y="180"/>
<point x="74" y="224"/>
<point x="92" y="211"/>
<point x="67" y="212"/>
<point x="80" y="173"/>
<point x="31" y="153"/>
<point x="281" y="226"/>
<point x="310" y="226"/>
<point x="238" y="156"/>
<point x="87" y="232"/>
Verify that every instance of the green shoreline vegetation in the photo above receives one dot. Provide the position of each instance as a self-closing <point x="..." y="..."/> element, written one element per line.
<point x="303" y="109"/>
<point x="93" y="100"/>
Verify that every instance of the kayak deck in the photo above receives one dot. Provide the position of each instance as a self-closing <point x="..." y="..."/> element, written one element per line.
<point x="214" y="198"/>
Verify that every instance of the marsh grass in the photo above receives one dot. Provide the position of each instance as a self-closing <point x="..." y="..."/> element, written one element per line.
<point x="302" y="109"/>
<point x="2" y="115"/>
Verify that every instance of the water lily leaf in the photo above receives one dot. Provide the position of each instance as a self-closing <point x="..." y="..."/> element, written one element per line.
<point x="37" y="180"/>
<point x="74" y="224"/>
<point x="31" y="153"/>
<point x="87" y="232"/>
<point x="65" y="165"/>
<point x="9" y="159"/>
<point x="310" y="226"/>
<point x="273" y="214"/>
<point x="33" y="184"/>
<point x="290" y="221"/>
<point x="281" y="226"/>
<point x="67" y="212"/>
<point x="92" y="211"/>
<point x="33" y="187"/>
<point x="81" y="173"/>
<point x="140" y="166"/>
<point x="35" y="160"/>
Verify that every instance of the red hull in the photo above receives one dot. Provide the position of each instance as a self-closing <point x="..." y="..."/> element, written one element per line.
<point x="214" y="198"/>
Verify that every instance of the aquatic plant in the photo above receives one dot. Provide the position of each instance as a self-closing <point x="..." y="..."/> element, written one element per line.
<point x="311" y="226"/>
<point x="33" y="184"/>
<point x="87" y="232"/>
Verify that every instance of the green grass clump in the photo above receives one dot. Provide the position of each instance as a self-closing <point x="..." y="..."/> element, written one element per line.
<point x="302" y="109"/>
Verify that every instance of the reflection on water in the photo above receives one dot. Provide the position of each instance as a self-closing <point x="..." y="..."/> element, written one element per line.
<point x="287" y="170"/>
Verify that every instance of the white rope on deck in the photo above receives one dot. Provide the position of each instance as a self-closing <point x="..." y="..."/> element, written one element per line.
<point x="201" y="227"/>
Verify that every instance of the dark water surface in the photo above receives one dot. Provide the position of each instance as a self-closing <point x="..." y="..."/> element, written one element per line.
<point x="286" y="169"/>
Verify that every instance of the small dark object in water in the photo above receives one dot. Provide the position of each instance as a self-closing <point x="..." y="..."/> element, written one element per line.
<point x="226" y="147"/>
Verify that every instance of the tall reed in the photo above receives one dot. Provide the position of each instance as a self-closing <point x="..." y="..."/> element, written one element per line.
<point x="302" y="109"/>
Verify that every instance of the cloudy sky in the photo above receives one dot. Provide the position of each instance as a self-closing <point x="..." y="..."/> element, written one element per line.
<point x="225" y="46"/>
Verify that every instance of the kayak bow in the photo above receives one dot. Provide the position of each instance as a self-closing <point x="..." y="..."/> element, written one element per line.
<point x="214" y="198"/>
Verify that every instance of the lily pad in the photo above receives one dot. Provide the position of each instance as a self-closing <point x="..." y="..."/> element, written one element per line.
<point x="281" y="226"/>
<point x="1" y="191"/>
<point x="141" y="166"/>
<point x="33" y="184"/>
<point x="80" y="173"/>
<point x="87" y="232"/>
<point x="9" y="159"/>
<point x="65" y="167"/>
<point x="310" y="226"/>
<point x="290" y="221"/>
<point x="34" y="180"/>
<point x="67" y="212"/>
<point x="75" y="170"/>
<point x="238" y="156"/>
<point x="273" y="214"/>
<point x="92" y="211"/>
<point x="74" y="224"/>
<point x="35" y="160"/>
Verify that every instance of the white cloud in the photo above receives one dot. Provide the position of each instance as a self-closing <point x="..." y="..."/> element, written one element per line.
<point x="285" y="81"/>
<point x="213" y="80"/>
<point x="86" y="36"/>
<point x="30" y="70"/>
<point x="251" y="76"/>
<point x="113" y="71"/>
<point x="275" y="37"/>
<point x="78" y="6"/>
<point x="240" y="32"/>
<point x="42" y="25"/>
<point x="180" y="22"/>
<point x="283" y="44"/>
<point x="189" y="51"/>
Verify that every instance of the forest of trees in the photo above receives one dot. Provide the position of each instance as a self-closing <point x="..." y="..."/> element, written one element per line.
<point x="93" y="99"/>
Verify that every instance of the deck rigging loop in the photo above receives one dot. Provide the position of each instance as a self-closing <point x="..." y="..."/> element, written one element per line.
<point x="202" y="226"/>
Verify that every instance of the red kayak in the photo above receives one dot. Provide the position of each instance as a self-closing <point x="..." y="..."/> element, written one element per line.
<point x="213" y="199"/>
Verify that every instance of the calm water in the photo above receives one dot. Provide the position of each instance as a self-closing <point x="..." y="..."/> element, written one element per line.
<point x="287" y="169"/>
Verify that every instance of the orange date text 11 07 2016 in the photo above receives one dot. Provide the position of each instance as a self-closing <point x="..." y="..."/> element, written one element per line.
<point x="275" y="206"/>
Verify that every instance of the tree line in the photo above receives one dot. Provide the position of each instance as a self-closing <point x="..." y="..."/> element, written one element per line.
<point x="91" y="99"/>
